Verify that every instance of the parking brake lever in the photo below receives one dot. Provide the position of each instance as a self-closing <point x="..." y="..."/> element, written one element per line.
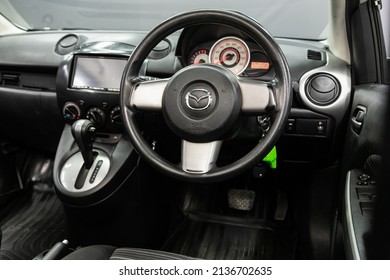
<point x="58" y="251"/>
<point x="83" y="132"/>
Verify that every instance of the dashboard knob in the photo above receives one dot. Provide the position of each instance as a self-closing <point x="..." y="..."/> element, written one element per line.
<point x="96" y="116"/>
<point x="71" y="111"/>
<point x="115" y="116"/>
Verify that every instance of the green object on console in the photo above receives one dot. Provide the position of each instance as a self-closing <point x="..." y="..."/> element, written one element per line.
<point x="271" y="158"/>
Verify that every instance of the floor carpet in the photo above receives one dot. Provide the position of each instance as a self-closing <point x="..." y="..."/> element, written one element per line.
<point x="31" y="224"/>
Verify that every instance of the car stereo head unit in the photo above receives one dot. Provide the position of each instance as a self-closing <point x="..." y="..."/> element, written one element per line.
<point x="102" y="73"/>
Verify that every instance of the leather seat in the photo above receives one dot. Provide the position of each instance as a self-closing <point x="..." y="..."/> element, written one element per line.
<point x="104" y="252"/>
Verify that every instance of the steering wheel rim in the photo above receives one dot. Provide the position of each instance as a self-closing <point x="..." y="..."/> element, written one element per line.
<point x="281" y="86"/>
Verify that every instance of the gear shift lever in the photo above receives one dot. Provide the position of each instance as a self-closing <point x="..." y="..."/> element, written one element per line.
<point x="83" y="132"/>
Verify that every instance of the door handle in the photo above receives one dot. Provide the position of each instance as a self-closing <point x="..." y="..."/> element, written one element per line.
<point x="357" y="119"/>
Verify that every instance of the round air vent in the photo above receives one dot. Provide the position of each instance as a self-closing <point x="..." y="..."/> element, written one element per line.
<point x="160" y="51"/>
<point x="322" y="89"/>
<point x="67" y="44"/>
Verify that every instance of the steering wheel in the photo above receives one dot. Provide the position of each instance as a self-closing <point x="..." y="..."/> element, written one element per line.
<point x="202" y="103"/>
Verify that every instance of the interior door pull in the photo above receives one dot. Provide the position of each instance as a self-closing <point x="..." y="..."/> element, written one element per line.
<point x="357" y="119"/>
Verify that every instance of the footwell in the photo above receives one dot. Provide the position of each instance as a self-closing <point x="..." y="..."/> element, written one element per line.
<point x="31" y="224"/>
<point x="223" y="241"/>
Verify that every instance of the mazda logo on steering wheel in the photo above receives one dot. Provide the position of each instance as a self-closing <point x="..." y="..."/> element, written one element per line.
<point x="198" y="99"/>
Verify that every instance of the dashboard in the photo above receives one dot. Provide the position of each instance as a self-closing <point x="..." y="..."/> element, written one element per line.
<point x="67" y="76"/>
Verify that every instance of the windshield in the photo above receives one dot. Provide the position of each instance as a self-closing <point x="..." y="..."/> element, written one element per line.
<point x="306" y="19"/>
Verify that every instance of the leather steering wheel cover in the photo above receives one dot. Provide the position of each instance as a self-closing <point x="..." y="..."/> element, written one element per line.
<point x="282" y="90"/>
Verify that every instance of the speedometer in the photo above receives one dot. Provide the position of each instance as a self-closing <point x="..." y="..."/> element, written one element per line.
<point x="232" y="53"/>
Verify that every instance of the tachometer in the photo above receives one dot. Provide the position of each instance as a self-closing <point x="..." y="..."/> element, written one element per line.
<point x="199" y="56"/>
<point x="232" y="53"/>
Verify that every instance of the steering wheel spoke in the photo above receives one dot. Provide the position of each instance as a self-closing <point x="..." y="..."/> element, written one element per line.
<point x="257" y="97"/>
<point x="148" y="95"/>
<point x="199" y="158"/>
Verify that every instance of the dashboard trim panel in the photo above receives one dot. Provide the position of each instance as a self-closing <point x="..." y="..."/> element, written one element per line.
<point x="341" y="71"/>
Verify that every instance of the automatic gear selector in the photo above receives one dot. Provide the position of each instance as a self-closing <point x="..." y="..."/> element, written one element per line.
<point x="83" y="132"/>
<point x="86" y="168"/>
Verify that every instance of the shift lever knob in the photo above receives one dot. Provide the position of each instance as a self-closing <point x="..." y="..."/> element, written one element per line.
<point x="83" y="132"/>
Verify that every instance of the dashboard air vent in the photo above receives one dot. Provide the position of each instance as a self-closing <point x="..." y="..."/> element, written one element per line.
<point x="314" y="55"/>
<point x="10" y="79"/>
<point x="67" y="44"/>
<point x="161" y="50"/>
<point x="322" y="89"/>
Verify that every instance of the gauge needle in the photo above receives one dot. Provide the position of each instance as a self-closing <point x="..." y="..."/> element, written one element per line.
<point x="200" y="61"/>
<point x="227" y="57"/>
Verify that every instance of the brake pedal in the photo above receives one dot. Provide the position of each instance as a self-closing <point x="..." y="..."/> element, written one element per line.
<point x="241" y="199"/>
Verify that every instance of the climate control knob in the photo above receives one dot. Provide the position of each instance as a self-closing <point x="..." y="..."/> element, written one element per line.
<point x="115" y="115"/>
<point x="71" y="111"/>
<point x="96" y="116"/>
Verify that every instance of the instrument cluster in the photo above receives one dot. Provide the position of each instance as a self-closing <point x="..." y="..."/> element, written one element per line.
<point x="241" y="57"/>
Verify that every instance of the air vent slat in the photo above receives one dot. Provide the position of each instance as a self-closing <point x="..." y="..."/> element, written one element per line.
<point x="10" y="79"/>
<point x="314" y="55"/>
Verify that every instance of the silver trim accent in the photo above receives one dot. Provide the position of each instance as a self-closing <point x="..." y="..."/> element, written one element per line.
<point x="341" y="71"/>
<point x="71" y="169"/>
<point x="199" y="158"/>
<point x="256" y="96"/>
<point x="349" y="220"/>
<point x="148" y="95"/>
<point x="206" y="94"/>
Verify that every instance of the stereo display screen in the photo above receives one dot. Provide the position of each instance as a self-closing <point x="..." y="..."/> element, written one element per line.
<point x="98" y="73"/>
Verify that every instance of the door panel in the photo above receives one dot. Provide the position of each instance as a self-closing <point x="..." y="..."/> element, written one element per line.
<point x="368" y="112"/>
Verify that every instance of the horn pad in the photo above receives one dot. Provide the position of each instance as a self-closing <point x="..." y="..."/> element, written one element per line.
<point x="204" y="108"/>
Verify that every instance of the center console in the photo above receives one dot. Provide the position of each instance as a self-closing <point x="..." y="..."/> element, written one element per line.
<point x="88" y="170"/>
<point x="88" y="88"/>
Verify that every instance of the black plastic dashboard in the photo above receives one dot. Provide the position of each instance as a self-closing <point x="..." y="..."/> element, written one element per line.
<point x="39" y="92"/>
